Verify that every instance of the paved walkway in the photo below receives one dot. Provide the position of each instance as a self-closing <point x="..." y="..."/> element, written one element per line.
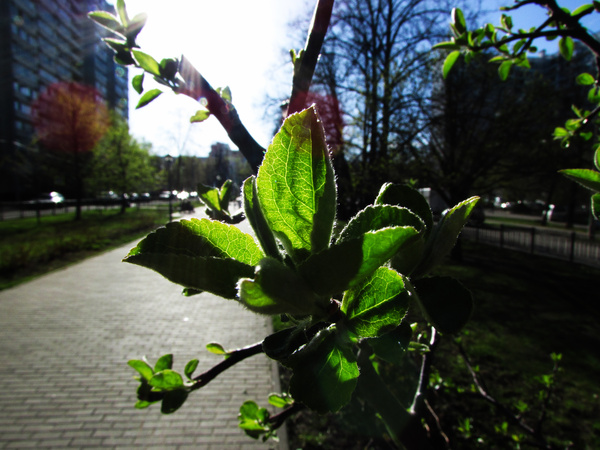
<point x="65" y="340"/>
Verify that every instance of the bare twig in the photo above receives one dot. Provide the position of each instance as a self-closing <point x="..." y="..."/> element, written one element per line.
<point x="423" y="384"/>
<point x="436" y="419"/>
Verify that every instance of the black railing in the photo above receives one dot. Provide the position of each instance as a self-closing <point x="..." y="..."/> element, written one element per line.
<point x="568" y="245"/>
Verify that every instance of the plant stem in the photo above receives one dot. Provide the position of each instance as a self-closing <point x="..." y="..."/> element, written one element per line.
<point x="314" y="42"/>
<point x="232" y="359"/>
<point x="404" y="428"/>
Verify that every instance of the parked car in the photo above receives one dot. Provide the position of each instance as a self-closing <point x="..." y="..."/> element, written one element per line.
<point x="52" y="198"/>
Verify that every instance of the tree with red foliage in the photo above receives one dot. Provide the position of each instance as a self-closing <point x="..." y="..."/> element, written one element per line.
<point x="70" y="118"/>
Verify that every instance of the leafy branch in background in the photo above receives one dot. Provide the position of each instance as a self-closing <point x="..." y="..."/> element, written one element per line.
<point x="513" y="47"/>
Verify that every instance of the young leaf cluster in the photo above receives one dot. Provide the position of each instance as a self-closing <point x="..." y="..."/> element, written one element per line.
<point x="337" y="292"/>
<point x="166" y="72"/>
<point x="217" y="202"/>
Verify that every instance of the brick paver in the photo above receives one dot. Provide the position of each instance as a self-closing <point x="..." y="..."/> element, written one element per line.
<point x="66" y="337"/>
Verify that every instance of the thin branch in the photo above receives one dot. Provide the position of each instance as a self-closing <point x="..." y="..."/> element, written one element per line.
<point x="279" y="419"/>
<point x="436" y="419"/>
<point x="304" y="73"/>
<point x="232" y="359"/>
<point x="514" y="419"/>
<point x="199" y="89"/>
<point x="423" y="384"/>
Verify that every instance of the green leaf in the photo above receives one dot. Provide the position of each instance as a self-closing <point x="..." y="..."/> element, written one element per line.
<point x="200" y="237"/>
<point x="378" y="305"/>
<point x="142" y="367"/>
<point x="190" y="367"/>
<point x="596" y="205"/>
<point x="257" y="220"/>
<point x="448" y="45"/>
<point x="252" y="419"/>
<point x="225" y="93"/>
<point x="296" y="186"/>
<point x="458" y="20"/>
<point x="378" y="217"/>
<point x="122" y="11"/>
<point x="597" y="158"/>
<point x="218" y="276"/>
<point x="392" y="346"/>
<point x="141" y="404"/>
<point x="506" y="21"/>
<point x="594" y="95"/>
<point x="585" y="79"/>
<point x="137" y="83"/>
<point x="347" y="263"/>
<point x="199" y="254"/>
<point x="504" y="69"/>
<point x="118" y="45"/>
<point x="107" y="20"/>
<point x="277" y="289"/>
<point x="164" y="362"/>
<point x="200" y="116"/>
<point x="135" y="26"/>
<point x="173" y="400"/>
<point x="449" y="62"/>
<point x="280" y="400"/>
<point x="325" y="373"/>
<point x="225" y="194"/>
<point x="166" y="379"/>
<point x="583" y="9"/>
<point x="560" y="133"/>
<point x="444" y="235"/>
<point x="497" y="59"/>
<point x="445" y="302"/>
<point x="216" y="348"/>
<point x="566" y="46"/>
<point x="406" y="197"/>
<point x="209" y="196"/>
<point x="586" y="177"/>
<point x="148" y="97"/>
<point x="146" y="62"/>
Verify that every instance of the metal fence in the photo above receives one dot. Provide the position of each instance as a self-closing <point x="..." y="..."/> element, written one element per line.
<point x="22" y="210"/>
<point x="571" y="246"/>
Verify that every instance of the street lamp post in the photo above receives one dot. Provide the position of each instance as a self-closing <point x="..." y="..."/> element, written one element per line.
<point x="168" y="164"/>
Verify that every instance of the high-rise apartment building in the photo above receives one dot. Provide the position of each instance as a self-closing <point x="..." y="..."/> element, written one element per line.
<point x="42" y="42"/>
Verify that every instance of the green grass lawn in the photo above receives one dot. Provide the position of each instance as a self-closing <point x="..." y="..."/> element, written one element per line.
<point x="29" y="248"/>
<point x="526" y="308"/>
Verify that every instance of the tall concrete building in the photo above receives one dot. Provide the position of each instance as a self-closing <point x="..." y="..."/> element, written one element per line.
<point x="42" y="42"/>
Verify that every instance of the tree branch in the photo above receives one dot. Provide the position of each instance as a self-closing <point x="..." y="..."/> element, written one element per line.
<point x="278" y="420"/>
<point x="308" y="62"/>
<point x="199" y="89"/>
<point x="232" y="359"/>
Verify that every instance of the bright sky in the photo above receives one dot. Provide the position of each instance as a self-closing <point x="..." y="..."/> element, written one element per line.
<point x="235" y="43"/>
